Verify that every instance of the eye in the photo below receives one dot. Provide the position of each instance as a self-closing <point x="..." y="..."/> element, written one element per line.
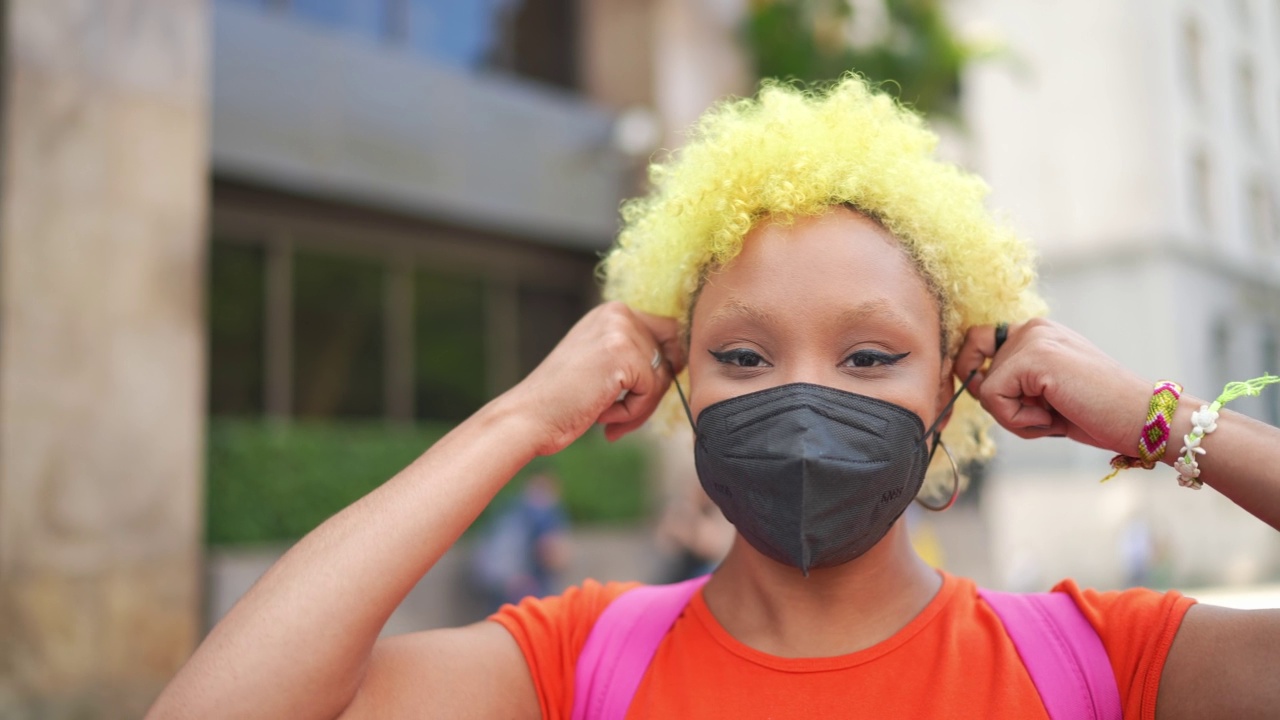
<point x="872" y="358"/>
<point x="739" y="357"/>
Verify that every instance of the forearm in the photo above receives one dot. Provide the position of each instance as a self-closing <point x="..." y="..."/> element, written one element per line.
<point x="1239" y="459"/>
<point x="297" y="644"/>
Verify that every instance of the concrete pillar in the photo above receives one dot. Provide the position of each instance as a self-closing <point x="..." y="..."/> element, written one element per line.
<point x="103" y="200"/>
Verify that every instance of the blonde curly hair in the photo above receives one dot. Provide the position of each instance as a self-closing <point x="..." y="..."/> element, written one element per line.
<point x="794" y="152"/>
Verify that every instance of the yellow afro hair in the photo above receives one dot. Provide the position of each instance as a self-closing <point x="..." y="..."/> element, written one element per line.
<point x="793" y="152"/>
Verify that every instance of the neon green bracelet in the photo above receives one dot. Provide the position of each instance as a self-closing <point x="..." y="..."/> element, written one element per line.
<point x="1205" y="421"/>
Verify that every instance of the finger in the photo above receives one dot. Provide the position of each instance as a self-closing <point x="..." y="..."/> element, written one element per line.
<point x="978" y="347"/>
<point x="623" y="417"/>
<point x="613" y="431"/>
<point x="1057" y="427"/>
<point x="973" y="383"/>
<point x="1011" y="402"/>
<point x="665" y="333"/>
<point x="643" y="394"/>
<point x="632" y="405"/>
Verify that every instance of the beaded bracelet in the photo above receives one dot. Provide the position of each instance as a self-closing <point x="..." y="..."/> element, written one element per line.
<point x="1205" y="421"/>
<point x="1155" y="431"/>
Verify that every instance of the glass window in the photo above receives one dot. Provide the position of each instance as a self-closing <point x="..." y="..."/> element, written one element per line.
<point x="532" y="38"/>
<point x="463" y="34"/>
<point x="1261" y="223"/>
<point x="1271" y="364"/>
<point x="1221" y="352"/>
<point x="1193" y="52"/>
<point x="1247" y="91"/>
<point x="449" y="359"/>
<point x="545" y="317"/>
<point x="369" y="18"/>
<point x="235" y="307"/>
<point x="337" y="336"/>
<point x="1202" y="189"/>
<point x="541" y="42"/>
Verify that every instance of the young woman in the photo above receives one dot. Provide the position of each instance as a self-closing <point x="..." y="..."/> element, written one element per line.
<point x="828" y="286"/>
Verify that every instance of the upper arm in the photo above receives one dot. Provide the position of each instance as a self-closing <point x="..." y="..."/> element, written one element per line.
<point x="1222" y="664"/>
<point x="475" y="671"/>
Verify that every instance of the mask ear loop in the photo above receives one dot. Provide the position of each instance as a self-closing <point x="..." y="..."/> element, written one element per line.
<point x="937" y="440"/>
<point x="680" y="391"/>
<point x="955" y="480"/>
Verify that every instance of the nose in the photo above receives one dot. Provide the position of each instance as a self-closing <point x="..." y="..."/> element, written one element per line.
<point x="812" y="372"/>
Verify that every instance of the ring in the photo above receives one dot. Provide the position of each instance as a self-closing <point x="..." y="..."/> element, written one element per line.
<point x="1002" y="334"/>
<point x="656" y="362"/>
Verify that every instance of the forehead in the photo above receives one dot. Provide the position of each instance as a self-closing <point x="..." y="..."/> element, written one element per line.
<point x="839" y="263"/>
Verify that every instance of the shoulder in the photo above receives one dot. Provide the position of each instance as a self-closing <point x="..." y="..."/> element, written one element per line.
<point x="551" y="632"/>
<point x="1124" y="613"/>
<point x="576" y="608"/>
<point x="1137" y="628"/>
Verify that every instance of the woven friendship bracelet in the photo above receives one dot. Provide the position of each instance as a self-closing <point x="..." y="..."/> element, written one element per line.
<point x="1205" y="421"/>
<point x="1155" y="431"/>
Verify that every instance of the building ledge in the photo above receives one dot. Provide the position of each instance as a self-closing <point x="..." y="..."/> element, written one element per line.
<point x="310" y="111"/>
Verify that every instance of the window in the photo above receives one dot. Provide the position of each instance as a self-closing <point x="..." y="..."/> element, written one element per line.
<point x="1246" y="89"/>
<point x="1202" y="189"/>
<point x="1193" y="56"/>
<point x="464" y="34"/>
<point x="337" y="336"/>
<point x="531" y="38"/>
<point x="450" y="372"/>
<point x="1262" y="224"/>
<point x="235" y="307"/>
<point x="369" y="18"/>
<point x="545" y="317"/>
<point x="1271" y="364"/>
<point x="1220" y="360"/>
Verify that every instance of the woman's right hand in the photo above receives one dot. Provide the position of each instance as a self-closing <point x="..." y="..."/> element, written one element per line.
<point x="607" y="355"/>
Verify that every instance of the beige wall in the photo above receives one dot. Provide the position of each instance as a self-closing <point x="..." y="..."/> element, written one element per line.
<point x="101" y="359"/>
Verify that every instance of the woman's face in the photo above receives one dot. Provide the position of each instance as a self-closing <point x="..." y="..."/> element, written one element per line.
<point x="831" y="300"/>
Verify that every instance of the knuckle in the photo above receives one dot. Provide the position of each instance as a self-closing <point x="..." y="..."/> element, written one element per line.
<point x="615" y="342"/>
<point x="615" y="309"/>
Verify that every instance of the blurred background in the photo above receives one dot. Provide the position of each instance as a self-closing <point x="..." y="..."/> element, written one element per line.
<point x="256" y="255"/>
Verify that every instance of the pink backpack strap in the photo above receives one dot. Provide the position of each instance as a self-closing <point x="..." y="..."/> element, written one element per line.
<point x="1062" y="653"/>
<point x="621" y="645"/>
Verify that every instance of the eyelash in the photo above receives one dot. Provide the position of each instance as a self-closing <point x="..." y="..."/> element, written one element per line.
<point x="877" y="358"/>
<point x="737" y="357"/>
<point x="740" y="357"/>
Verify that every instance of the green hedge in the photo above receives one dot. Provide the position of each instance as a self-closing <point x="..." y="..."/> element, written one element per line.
<point x="271" y="482"/>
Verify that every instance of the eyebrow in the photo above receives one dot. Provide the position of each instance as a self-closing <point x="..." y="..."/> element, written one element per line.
<point x="733" y="308"/>
<point x="879" y="309"/>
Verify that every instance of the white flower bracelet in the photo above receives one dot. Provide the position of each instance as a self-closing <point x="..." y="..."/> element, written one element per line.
<point x="1205" y="421"/>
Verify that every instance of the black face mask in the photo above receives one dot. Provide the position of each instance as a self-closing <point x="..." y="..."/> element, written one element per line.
<point x="810" y="475"/>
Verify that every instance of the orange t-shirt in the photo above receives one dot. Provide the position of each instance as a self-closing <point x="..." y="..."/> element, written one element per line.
<point x="953" y="660"/>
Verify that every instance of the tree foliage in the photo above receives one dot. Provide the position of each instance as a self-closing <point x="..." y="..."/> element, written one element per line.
<point x="906" y="46"/>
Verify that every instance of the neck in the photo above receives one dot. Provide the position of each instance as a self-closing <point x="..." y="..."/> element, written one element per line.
<point x="773" y="608"/>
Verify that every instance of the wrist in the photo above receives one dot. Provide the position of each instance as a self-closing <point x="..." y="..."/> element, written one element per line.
<point x="1180" y="426"/>
<point x="509" y="419"/>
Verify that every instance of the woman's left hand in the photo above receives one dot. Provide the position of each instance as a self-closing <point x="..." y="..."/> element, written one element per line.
<point x="1049" y="381"/>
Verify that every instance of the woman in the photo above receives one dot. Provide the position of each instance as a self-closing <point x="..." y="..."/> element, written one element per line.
<point x="825" y="281"/>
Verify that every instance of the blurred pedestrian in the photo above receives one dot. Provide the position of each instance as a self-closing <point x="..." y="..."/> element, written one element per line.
<point x="695" y="532"/>
<point x="525" y="549"/>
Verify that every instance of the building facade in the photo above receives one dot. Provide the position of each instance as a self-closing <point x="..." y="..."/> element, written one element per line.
<point x="408" y="202"/>
<point x="1138" y="145"/>
<point x="322" y="209"/>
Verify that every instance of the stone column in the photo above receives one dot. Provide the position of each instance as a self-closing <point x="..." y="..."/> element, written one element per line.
<point x="103" y="198"/>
